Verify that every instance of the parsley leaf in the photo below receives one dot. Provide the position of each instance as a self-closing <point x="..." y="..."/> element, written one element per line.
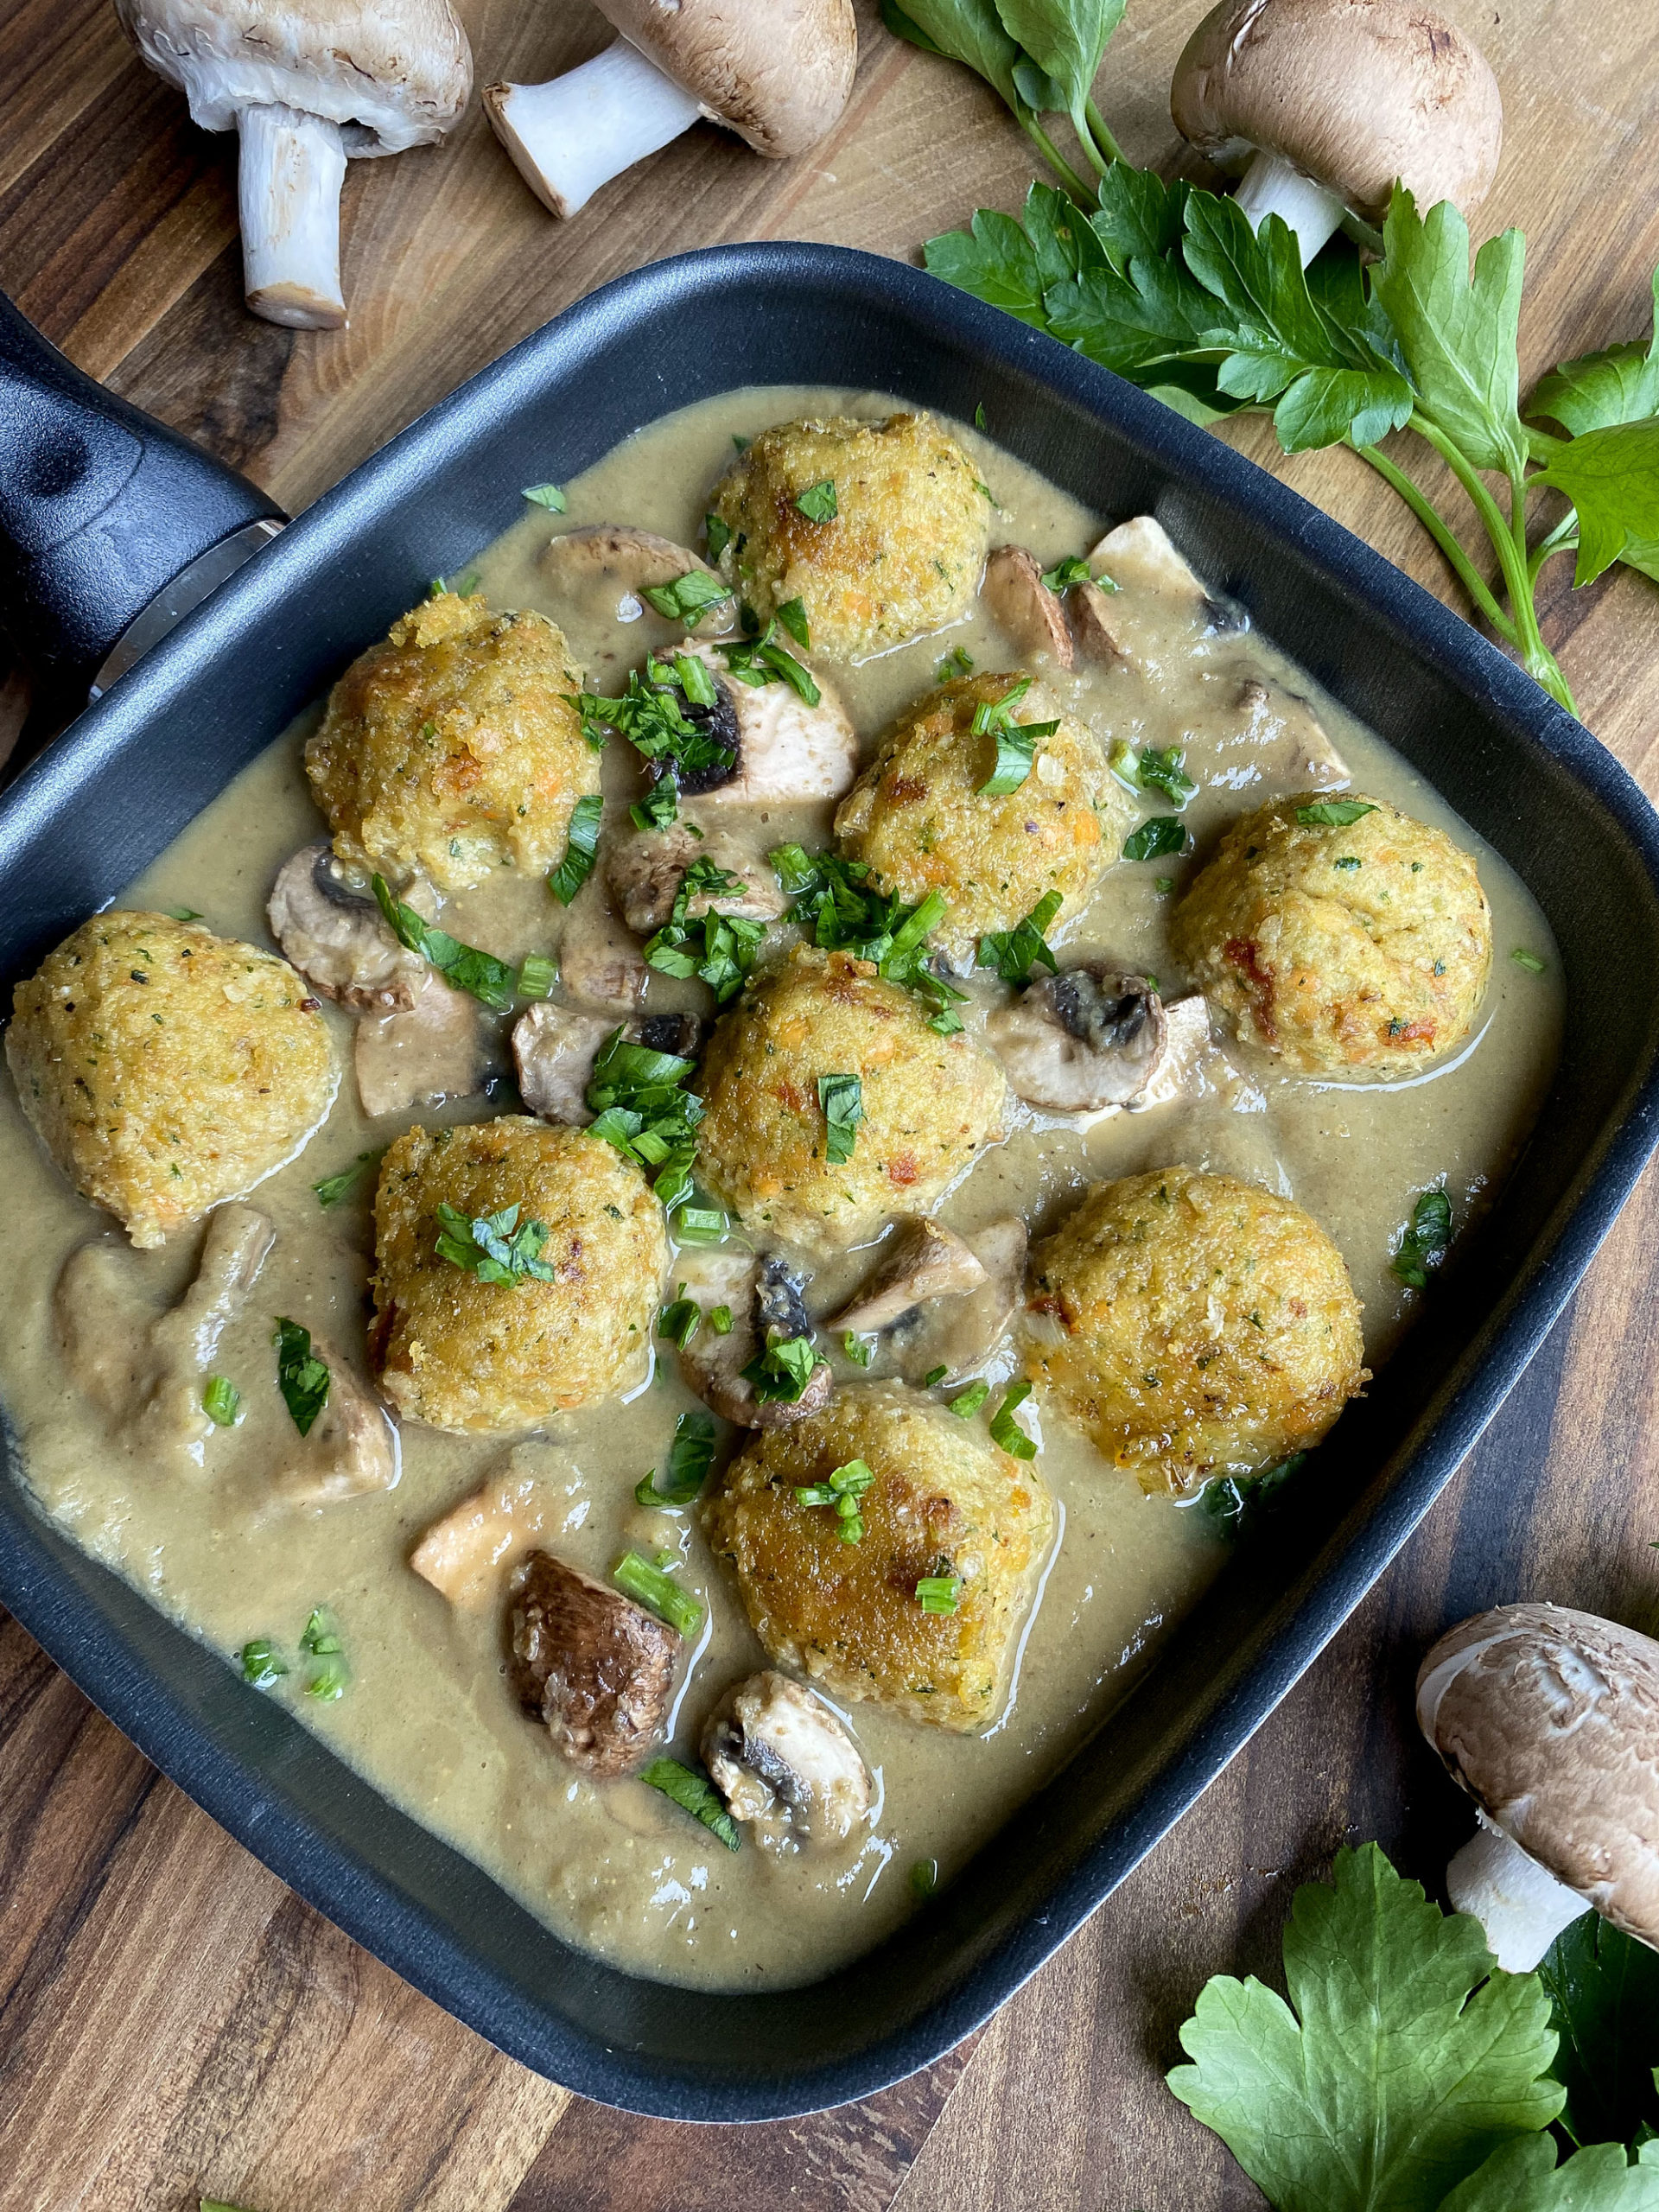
<point x="1603" y="1986"/>
<point x="759" y="659"/>
<point x="334" y="1188"/>
<point x="1154" y="768"/>
<point x="1619" y="385"/>
<point x="636" y="1095"/>
<point x="833" y="903"/>
<point x="546" y="495"/>
<point x="817" y="502"/>
<point x="1162" y="834"/>
<point x="1334" y="813"/>
<point x="689" y="1458"/>
<point x="1405" y="2062"/>
<point x="302" y="1378"/>
<point x="842" y="1098"/>
<point x="1072" y="570"/>
<point x="1423" y="1245"/>
<point x="654" y="715"/>
<point x="462" y="966"/>
<point x="719" y="948"/>
<point x="1016" y="742"/>
<point x="687" y="597"/>
<point x="695" y="1794"/>
<point x="1013" y="953"/>
<point x="1522" y="2177"/>
<point x="1611" y="476"/>
<point x="582" y="843"/>
<point x="780" y="1374"/>
<point x="493" y="1247"/>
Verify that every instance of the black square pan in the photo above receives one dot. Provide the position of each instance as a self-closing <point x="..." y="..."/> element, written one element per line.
<point x="170" y="735"/>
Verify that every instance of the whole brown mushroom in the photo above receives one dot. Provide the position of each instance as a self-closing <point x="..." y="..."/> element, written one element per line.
<point x="1329" y="101"/>
<point x="1550" y="1718"/>
<point x="777" y="75"/>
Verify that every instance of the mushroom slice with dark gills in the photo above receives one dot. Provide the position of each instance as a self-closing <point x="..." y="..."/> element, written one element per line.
<point x="645" y="872"/>
<point x="924" y="1260"/>
<point x="786" y="750"/>
<point x="940" y="1300"/>
<point x="1268" y="740"/>
<point x="785" y="1764"/>
<point x="1083" y="1040"/>
<point x="554" y="1048"/>
<point x="330" y="928"/>
<point x="599" y="575"/>
<point x="760" y="1303"/>
<point x="597" y="1669"/>
<point x="429" y="1050"/>
<point x="1030" y="613"/>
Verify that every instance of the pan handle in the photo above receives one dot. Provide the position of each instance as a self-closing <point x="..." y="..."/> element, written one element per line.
<point x="101" y="508"/>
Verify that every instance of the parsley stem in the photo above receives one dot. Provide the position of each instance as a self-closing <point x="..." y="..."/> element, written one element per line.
<point x="1051" y="153"/>
<point x="1564" y="539"/>
<point x="1104" y="138"/>
<point x="1440" y="531"/>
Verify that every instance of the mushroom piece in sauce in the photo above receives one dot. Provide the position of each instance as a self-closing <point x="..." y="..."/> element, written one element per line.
<point x="785" y="1764"/>
<point x="764" y="1304"/>
<point x="1024" y="606"/>
<point x="597" y="1669"/>
<point x="599" y="574"/>
<point x="465" y="1552"/>
<point x="1081" y="1039"/>
<point x="601" y="964"/>
<point x="786" y="751"/>
<point x="350" y="1448"/>
<point x="554" y="1049"/>
<point x="645" y="871"/>
<point x="429" y="1050"/>
<point x="940" y="1300"/>
<point x="333" y="932"/>
<point x="924" y="1260"/>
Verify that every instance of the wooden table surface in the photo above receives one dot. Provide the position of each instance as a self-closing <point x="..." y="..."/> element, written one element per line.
<point x="172" y="2019"/>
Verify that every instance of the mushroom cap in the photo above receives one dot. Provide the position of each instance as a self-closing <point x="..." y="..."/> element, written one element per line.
<point x="1550" y="1718"/>
<point x="777" y="75"/>
<point x="1353" y="93"/>
<point x="392" y="74"/>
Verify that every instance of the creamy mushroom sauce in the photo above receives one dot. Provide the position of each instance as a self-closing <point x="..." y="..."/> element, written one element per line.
<point x="427" y="1716"/>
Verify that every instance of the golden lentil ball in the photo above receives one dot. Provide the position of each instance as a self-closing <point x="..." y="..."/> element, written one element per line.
<point x="917" y="816"/>
<point x="481" y="1358"/>
<point x="452" y="748"/>
<point x="901" y="556"/>
<point x="930" y="1103"/>
<point x="1359" y="945"/>
<point x="944" y="1502"/>
<point x="165" y="1069"/>
<point x="1194" y="1324"/>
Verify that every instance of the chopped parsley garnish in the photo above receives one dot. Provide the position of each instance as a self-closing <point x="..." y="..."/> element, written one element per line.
<point x="718" y="534"/>
<point x="687" y="597"/>
<point x="937" y="1593"/>
<point x="704" y="1224"/>
<point x="689" y="1458"/>
<point x="301" y="1376"/>
<point x="1064" y="574"/>
<point x="1013" y="953"/>
<point x="1162" y="834"/>
<point x="538" y="976"/>
<point x="1164" y="884"/>
<point x="855" y="1349"/>
<point x="323" y="1644"/>
<point x="834" y="905"/>
<point x="957" y="662"/>
<point x="842" y="1097"/>
<point x="680" y="1321"/>
<point x="719" y="948"/>
<point x="817" y="502"/>
<point x="651" y="715"/>
<point x="582" y="843"/>
<point x="1348" y="862"/>
<point x="695" y="1794"/>
<point x="183" y="913"/>
<point x="1006" y="1432"/>
<point x="1232" y="1502"/>
<point x="462" y="966"/>
<point x="1530" y="960"/>
<point x="660" y="807"/>
<point x="493" y="1247"/>
<point x="966" y="1403"/>
<point x="221" y="1401"/>
<point x="924" y="1880"/>
<point x="1154" y="768"/>
<point x="546" y="495"/>
<point x="759" y="659"/>
<point x="933" y="1378"/>
<point x="1423" y="1245"/>
<point x="657" y="1593"/>
<point x="332" y="1188"/>
<point x="1016" y="742"/>
<point x="1333" y="813"/>
<point x="261" y="1663"/>
<point x="719" y="1320"/>
<point x="780" y="1374"/>
<point x="842" y="1488"/>
<point x="740" y="444"/>
<point x="636" y="1095"/>
<point x="792" y="615"/>
<point x="979" y="416"/>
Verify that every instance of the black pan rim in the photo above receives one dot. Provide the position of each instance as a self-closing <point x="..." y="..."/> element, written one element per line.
<point x="366" y="1904"/>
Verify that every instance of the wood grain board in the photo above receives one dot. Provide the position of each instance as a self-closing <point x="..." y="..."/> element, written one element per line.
<point x="172" y="2020"/>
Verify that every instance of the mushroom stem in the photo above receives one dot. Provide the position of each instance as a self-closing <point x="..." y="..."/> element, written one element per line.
<point x="1520" y="1903"/>
<point x="291" y="167"/>
<point x="1272" y="187"/>
<point x="574" y="133"/>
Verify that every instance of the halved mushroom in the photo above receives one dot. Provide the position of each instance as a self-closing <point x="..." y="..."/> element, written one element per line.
<point x="429" y="1049"/>
<point x="1270" y="741"/>
<point x="597" y="574"/>
<point x="1188" y="1044"/>
<point x="554" y="1048"/>
<point x="465" y="1552"/>
<point x="352" y="1446"/>
<point x="147" y="1371"/>
<point x="924" y="1260"/>
<point x="1084" y="1039"/>
<point x="1024" y="606"/>
<point x="786" y="750"/>
<point x="599" y="961"/>
<point x="331" y="929"/>
<point x="1147" y="603"/>
<point x="645" y="873"/>
<point x="759" y="1296"/>
<point x="785" y="1764"/>
<point x="597" y="1669"/>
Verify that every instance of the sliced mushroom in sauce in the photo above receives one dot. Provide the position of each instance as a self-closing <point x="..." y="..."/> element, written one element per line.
<point x="554" y="1048"/>
<point x="600" y="965"/>
<point x="330" y="928"/>
<point x="787" y="752"/>
<point x="760" y="1296"/>
<point x="429" y="1049"/>
<point x="596" y="577"/>
<point x="1084" y="1039"/>
<point x="941" y="1302"/>
<point x="645" y="873"/>
<point x="785" y="1764"/>
<point x="1024" y="606"/>
<point x="924" y="1260"/>
<point x="595" y="1668"/>
<point x="352" y="1446"/>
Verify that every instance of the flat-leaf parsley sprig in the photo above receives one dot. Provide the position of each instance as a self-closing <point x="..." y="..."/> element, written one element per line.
<point x="643" y="1111"/>
<point x="1170" y="287"/>
<point x="836" y="905"/>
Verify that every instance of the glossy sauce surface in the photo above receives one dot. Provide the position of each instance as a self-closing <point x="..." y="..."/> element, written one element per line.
<point x="427" y="1715"/>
